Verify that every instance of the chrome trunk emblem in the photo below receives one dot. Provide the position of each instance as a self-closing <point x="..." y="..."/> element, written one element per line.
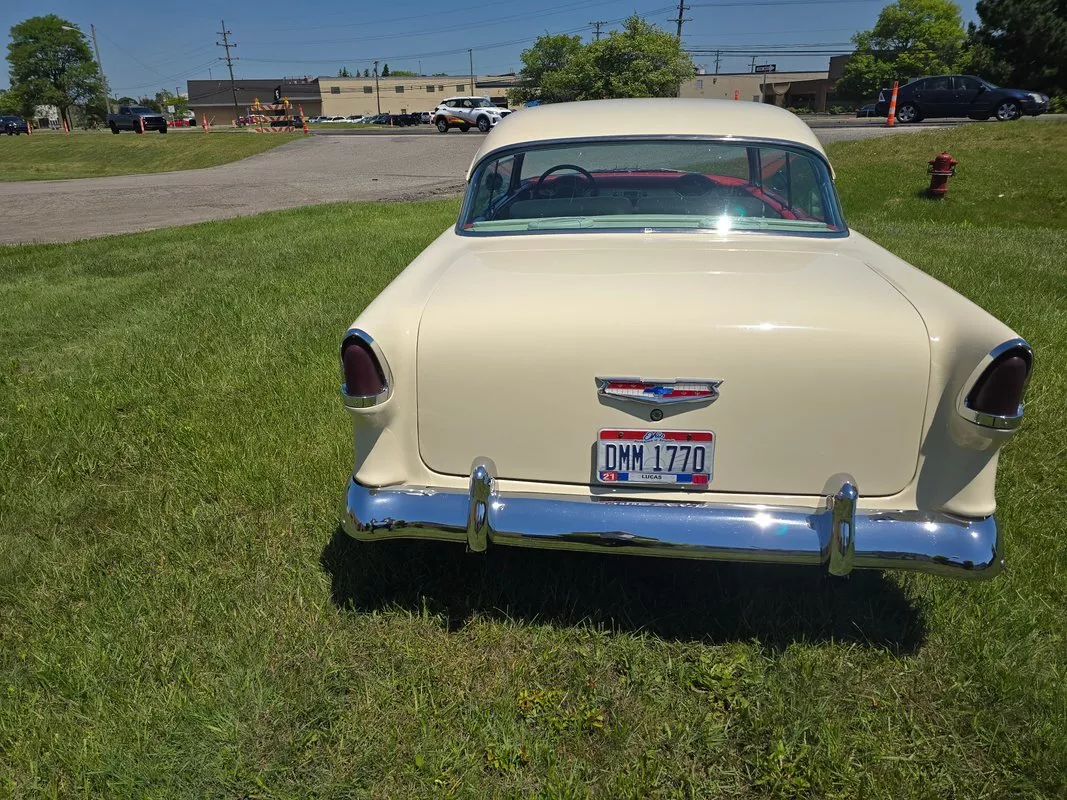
<point x="657" y="392"/>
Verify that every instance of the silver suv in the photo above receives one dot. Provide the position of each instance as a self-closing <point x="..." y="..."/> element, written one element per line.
<point x="466" y="112"/>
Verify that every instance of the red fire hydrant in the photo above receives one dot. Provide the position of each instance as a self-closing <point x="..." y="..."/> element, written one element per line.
<point x="942" y="167"/>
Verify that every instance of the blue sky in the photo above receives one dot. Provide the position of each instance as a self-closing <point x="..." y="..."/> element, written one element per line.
<point x="145" y="46"/>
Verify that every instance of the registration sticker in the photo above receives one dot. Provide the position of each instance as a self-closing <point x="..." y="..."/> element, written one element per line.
<point x="682" y="459"/>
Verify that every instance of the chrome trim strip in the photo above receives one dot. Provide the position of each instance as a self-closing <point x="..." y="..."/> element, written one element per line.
<point x="925" y="542"/>
<point x="602" y="390"/>
<point x="366" y="400"/>
<point x="997" y="422"/>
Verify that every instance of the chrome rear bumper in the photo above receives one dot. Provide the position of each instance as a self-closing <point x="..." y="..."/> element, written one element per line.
<point x="837" y="537"/>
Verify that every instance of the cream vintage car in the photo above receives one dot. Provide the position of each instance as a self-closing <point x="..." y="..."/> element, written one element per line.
<point x="652" y="332"/>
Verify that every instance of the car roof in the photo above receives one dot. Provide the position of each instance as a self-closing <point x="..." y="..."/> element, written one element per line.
<point x="595" y="119"/>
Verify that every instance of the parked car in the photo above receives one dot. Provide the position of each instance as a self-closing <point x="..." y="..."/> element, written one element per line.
<point x="353" y="118"/>
<point x="377" y="119"/>
<point x="866" y="110"/>
<point x="652" y="332"/>
<point x="131" y="118"/>
<point x="465" y="112"/>
<point x="404" y="120"/>
<point x="14" y="126"/>
<point x="960" y="96"/>
<point x="425" y="118"/>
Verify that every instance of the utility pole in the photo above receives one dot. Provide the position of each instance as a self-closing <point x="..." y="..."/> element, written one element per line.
<point x="470" y="56"/>
<point x="225" y="34"/>
<point x="100" y="66"/>
<point x="596" y="25"/>
<point x="377" y="92"/>
<point x="752" y="66"/>
<point x="681" y="18"/>
<point x="718" y="57"/>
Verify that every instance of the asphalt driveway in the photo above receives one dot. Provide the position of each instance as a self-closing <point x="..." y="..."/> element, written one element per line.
<point x="318" y="169"/>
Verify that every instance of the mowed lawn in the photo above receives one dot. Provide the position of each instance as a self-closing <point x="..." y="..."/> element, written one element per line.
<point x="179" y="616"/>
<point x="54" y="156"/>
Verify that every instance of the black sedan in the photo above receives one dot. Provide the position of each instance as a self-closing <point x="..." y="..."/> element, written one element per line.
<point x="960" y="96"/>
<point x="13" y="126"/>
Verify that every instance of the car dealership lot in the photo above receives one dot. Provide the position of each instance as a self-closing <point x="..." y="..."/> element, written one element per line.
<point x="324" y="168"/>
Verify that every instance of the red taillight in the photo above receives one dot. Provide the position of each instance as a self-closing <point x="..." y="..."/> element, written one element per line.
<point x="999" y="390"/>
<point x="364" y="376"/>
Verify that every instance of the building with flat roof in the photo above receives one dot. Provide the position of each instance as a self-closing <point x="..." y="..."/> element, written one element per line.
<point x="788" y="89"/>
<point x="215" y="99"/>
<point x="343" y="97"/>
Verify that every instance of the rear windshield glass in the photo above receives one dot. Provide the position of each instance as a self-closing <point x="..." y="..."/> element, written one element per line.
<point x="653" y="184"/>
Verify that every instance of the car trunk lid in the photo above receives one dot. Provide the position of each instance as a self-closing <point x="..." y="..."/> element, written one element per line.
<point x="824" y="365"/>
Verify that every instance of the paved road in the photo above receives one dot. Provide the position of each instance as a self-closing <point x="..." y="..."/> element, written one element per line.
<point x="318" y="169"/>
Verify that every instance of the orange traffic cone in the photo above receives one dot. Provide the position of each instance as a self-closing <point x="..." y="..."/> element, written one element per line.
<point x="891" y="120"/>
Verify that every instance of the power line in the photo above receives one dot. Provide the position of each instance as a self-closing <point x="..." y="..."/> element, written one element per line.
<point x="459" y="26"/>
<point x="225" y="34"/>
<point x="596" y="25"/>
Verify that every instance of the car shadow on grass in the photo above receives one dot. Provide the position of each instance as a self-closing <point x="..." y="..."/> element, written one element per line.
<point x="674" y="599"/>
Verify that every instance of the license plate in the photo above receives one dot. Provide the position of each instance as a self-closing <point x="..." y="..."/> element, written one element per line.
<point x="655" y="458"/>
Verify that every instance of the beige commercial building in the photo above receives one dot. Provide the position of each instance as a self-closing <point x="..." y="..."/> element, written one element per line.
<point x="787" y="89"/>
<point x="343" y="97"/>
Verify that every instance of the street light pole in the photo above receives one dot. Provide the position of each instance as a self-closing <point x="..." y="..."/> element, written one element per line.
<point x="377" y="91"/>
<point x="100" y="66"/>
<point x="470" y="55"/>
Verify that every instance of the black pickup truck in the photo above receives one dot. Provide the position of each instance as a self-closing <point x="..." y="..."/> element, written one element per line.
<point x="130" y="118"/>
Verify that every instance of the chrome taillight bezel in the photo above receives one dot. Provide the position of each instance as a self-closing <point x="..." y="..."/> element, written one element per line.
<point x="995" y="421"/>
<point x="366" y="400"/>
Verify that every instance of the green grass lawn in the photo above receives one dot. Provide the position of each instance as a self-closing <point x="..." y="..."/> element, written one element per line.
<point x="51" y="156"/>
<point x="179" y="616"/>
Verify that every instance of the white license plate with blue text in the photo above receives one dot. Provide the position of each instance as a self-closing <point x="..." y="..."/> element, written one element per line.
<point x="682" y="459"/>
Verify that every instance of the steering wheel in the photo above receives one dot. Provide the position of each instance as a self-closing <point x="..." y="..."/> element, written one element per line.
<point x="583" y="175"/>
<point x="693" y="184"/>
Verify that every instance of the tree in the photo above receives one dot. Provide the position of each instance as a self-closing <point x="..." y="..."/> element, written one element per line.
<point x="1021" y="43"/>
<point x="163" y="99"/>
<point x="403" y="73"/>
<point x="344" y="73"/>
<point x="641" y="60"/>
<point x="9" y="102"/>
<point x="385" y="71"/>
<point x="543" y="66"/>
<point x="51" y="64"/>
<point x="910" y="38"/>
<point x="366" y="72"/>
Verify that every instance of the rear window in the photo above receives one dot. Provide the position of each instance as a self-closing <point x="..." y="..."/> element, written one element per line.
<point x="653" y="184"/>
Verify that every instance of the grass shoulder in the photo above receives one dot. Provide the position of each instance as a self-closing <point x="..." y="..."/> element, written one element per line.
<point x="51" y="156"/>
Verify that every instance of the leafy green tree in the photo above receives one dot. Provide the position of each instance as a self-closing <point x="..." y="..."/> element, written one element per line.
<point x="385" y="71"/>
<point x="641" y="60"/>
<point x="910" y="38"/>
<point x="543" y="67"/>
<point x="51" y="64"/>
<point x="403" y="73"/>
<point x="9" y="102"/>
<point x="1021" y="43"/>
<point x="163" y="99"/>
